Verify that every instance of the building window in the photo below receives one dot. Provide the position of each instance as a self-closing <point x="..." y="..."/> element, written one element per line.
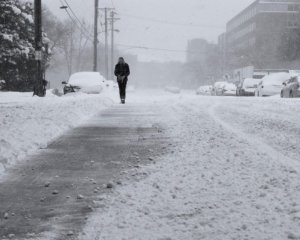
<point x="293" y="7"/>
<point x="293" y="21"/>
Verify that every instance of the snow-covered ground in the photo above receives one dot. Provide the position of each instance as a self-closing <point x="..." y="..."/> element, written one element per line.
<point x="28" y="123"/>
<point x="233" y="172"/>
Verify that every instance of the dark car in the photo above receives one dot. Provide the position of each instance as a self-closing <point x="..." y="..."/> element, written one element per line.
<point x="291" y="88"/>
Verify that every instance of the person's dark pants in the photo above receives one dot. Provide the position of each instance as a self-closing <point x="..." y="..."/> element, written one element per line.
<point x="122" y="88"/>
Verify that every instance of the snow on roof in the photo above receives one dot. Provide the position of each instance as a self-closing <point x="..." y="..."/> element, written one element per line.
<point x="219" y="84"/>
<point x="229" y="86"/>
<point x="86" y="79"/>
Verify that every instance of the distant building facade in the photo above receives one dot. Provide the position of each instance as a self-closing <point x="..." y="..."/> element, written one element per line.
<point x="261" y="35"/>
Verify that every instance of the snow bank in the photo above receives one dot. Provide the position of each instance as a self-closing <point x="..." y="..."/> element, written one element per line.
<point x="27" y="123"/>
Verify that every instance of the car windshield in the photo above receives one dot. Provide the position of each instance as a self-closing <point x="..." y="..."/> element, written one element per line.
<point x="251" y="83"/>
<point x="220" y="84"/>
<point x="230" y="86"/>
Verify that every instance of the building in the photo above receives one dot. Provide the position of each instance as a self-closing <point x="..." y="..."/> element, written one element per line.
<point x="261" y="35"/>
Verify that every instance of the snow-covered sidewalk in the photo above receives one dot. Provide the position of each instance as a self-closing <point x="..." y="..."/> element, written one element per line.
<point x="233" y="173"/>
<point x="28" y="123"/>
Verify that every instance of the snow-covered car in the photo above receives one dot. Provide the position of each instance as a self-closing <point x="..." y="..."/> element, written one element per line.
<point x="247" y="87"/>
<point x="86" y="82"/>
<point x="204" y="90"/>
<point x="272" y="84"/>
<point x="217" y="89"/>
<point x="229" y="89"/>
<point x="291" y="88"/>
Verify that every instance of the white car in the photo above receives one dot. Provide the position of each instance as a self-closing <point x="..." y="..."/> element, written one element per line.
<point x="217" y="89"/>
<point x="272" y="84"/>
<point x="204" y="90"/>
<point x="86" y="82"/>
<point x="229" y="89"/>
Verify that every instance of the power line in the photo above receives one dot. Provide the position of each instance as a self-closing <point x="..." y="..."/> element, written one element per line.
<point x="159" y="49"/>
<point x="82" y="30"/>
<point x="78" y="20"/>
<point x="172" y="23"/>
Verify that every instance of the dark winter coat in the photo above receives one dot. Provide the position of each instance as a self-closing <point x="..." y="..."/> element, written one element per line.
<point x="122" y="70"/>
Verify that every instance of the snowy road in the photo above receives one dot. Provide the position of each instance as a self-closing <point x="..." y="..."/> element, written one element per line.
<point x="191" y="168"/>
<point x="233" y="173"/>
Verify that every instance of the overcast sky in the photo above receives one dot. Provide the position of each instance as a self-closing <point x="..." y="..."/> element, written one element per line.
<point x="162" y="24"/>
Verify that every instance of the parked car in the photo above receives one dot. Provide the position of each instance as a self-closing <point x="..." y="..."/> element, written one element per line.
<point x="86" y="82"/>
<point x="223" y="89"/>
<point x="217" y="89"/>
<point x="291" y="88"/>
<point x="204" y="90"/>
<point x="272" y="84"/>
<point x="229" y="89"/>
<point x="247" y="87"/>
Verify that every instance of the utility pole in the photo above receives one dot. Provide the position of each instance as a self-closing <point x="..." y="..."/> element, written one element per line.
<point x="112" y="53"/>
<point x="106" y="38"/>
<point x="106" y="44"/>
<point x="39" y="88"/>
<point x="95" y="66"/>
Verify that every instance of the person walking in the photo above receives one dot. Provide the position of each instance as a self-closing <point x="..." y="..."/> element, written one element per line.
<point x="122" y="71"/>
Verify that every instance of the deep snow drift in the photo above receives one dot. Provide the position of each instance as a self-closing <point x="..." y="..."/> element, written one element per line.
<point x="28" y="123"/>
<point x="233" y="173"/>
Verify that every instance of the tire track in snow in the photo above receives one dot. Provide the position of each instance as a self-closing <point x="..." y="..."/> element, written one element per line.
<point x="260" y="145"/>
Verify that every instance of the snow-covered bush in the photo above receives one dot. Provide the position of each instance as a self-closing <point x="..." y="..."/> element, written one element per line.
<point x="17" y="63"/>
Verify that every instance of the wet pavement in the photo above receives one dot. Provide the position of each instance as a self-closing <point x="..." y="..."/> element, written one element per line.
<point x="52" y="193"/>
